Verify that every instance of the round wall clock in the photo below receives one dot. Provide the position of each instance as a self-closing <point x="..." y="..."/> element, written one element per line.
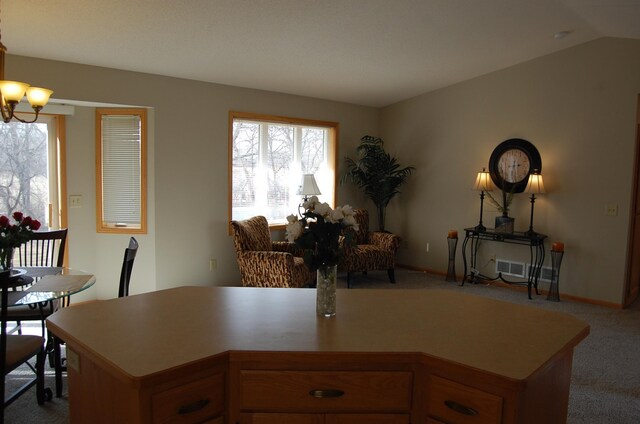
<point x="511" y="163"/>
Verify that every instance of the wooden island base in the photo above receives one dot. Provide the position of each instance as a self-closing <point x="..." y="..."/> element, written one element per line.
<point x="261" y="356"/>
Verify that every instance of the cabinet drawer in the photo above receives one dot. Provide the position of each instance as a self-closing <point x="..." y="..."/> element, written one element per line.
<point x="193" y="402"/>
<point x="453" y="402"/>
<point x="322" y="391"/>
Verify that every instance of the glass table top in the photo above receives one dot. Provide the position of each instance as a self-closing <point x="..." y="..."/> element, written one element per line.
<point x="49" y="283"/>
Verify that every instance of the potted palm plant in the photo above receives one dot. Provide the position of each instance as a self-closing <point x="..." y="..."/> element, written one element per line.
<point x="376" y="173"/>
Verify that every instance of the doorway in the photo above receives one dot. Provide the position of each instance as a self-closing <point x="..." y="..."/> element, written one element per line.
<point x="32" y="170"/>
<point x="632" y="284"/>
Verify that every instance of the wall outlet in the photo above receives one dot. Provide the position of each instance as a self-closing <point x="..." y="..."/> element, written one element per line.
<point x="427" y="247"/>
<point x="213" y="264"/>
<point x="492" y="258"/>
<point x="611" y="210"/>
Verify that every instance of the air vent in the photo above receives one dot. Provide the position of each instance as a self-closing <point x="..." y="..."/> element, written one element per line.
<point x="546" y="273"/>
<point x="517" y="269"/>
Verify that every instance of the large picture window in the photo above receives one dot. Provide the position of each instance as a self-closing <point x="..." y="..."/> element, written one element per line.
<point x="121" y="170"/>
<point x="268" y="157"/>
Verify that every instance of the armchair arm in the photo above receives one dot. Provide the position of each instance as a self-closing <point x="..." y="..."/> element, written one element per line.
<point x="260" y="267"/>
<point x="386" y="241"/>
<point x="288" y="247"/>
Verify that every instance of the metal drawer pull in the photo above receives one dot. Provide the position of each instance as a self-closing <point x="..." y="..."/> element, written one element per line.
<point x="193" y="407"/>
<point x="459" y="408"/>
<point x="326" y="393"/>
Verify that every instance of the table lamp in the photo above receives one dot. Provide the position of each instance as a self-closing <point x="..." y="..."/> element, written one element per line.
<point x="534" y="186"/>
<point x="308" y="187"/>
<point x="483" y="183"/>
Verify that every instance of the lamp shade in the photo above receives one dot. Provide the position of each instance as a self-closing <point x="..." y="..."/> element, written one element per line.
<point x="13" y="91"/>
<point x="309" y="186"/>
<point x="483" y="181"/>
<point x="38" y="97"/>
<point x="535" y="184"/>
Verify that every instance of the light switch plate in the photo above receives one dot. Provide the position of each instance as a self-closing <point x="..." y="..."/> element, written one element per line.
<point x="75" y="201"/>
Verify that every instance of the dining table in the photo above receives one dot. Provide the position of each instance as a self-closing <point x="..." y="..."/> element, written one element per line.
<point x="37" y="287"/>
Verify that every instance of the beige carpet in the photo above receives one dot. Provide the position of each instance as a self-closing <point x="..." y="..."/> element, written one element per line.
<point x="606" y="371"/>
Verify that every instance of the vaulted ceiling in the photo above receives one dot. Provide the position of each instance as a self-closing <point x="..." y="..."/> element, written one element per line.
<point x="368" y="52"/>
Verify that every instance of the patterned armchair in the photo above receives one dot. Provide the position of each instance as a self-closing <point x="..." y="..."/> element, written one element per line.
<point x="267" y="263"/>
<point x="373" y="250"/>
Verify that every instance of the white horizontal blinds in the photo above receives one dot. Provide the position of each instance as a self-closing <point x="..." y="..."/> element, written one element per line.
<point x="121" y="170"/>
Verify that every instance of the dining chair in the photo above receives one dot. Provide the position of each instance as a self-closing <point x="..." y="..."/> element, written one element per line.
<point x="123" y="291"/>
<point x="46" y="248"/>
<point x="127" y="266"/>
<point x="16" y="350"/>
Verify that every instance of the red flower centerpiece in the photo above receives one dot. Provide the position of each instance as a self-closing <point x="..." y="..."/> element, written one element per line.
<point x="13" y="235"/>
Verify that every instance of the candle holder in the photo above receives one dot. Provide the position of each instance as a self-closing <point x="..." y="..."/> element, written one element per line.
<point x="452" y="242"/>
<point x="557" y="252"/>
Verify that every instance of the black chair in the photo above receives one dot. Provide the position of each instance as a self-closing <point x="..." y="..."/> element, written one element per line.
<point x="18" y="349"/>
<point x="46" y="248"/>
<point x="123" y="290"/>
<point x="127" y="266"/>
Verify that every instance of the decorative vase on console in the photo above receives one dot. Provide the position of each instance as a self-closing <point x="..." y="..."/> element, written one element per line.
<point x="13" y="235"/>
<point x="318" y="233"/>
<point x="504" y="223"/>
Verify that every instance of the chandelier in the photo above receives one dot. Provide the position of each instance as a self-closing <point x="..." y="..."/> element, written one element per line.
<point x="12" y="92"/>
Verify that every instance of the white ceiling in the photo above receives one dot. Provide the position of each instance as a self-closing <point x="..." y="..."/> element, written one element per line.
<point x="368" y="52"/>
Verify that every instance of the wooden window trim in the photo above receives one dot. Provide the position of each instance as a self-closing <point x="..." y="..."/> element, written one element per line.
<point x="100" y="227"/>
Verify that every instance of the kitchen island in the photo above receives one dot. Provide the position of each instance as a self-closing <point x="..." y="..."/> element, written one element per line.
<point x="261" y="355"/>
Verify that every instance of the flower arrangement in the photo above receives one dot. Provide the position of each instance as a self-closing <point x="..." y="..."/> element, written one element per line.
<point x="507" y="198"/>
<point x="13" y="235"/>
<point x="318" y="232"/>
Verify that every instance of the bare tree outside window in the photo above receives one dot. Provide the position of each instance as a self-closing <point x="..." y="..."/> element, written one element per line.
<point x="268" y="161"/>
<point x="24" y="182"/>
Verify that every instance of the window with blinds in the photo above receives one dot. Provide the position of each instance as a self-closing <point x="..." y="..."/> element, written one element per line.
<point x="121" y="170"/>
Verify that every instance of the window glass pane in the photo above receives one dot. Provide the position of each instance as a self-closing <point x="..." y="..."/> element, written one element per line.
<point x="245" y="146"/>
<point x="279" y="162"/>
<point x="24" y="178"/>
<point x="121" y="169"/>
<point x="313" y="149"/>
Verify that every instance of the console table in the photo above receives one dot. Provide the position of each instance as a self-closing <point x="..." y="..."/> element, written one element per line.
<point x="535" y="241"/>
<point x="240" y="355"/>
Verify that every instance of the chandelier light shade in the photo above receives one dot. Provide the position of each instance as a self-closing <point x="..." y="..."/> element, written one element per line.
<point x="12" y="93"/>
<point x="309" y="187"/>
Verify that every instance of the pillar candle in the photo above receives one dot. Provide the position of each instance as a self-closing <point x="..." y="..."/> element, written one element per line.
<point x="557" y="247"/>
<point x="452" y="234"/>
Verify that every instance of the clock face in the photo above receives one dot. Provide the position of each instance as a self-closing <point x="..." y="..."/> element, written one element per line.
<point x="514" y="165"/>
<point x="511" y="163"/>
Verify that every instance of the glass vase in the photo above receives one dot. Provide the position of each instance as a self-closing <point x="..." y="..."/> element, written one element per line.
<point x="6" y="258"/>
<point x="327" y="276"/>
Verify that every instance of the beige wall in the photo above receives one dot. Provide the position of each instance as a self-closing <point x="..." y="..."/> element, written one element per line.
<point x="187" y="168"/>
<point x="578" y="107"/>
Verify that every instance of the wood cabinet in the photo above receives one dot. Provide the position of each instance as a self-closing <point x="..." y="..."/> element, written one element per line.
<point x="261" y="356"/>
